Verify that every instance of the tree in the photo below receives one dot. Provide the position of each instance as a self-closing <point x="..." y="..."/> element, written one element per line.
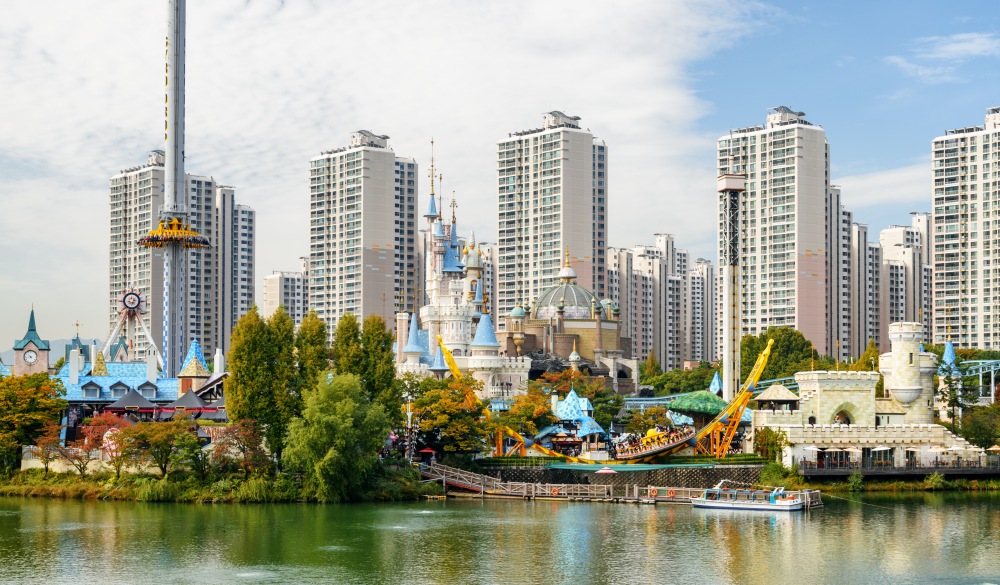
<point x="791" y="353"/>
<point x="529" y="412"/>
<point x="643" y="420"/>
<point x="449" y="419"/>
<point x="336" y="440"/>
<point x="311" y="352"/>
<point x="241" y="444"/>
<point x="161" y="442"/>
<point x="869" y="362"/>
<point x="261" y="372"/>
<point x="981" y="425"/>
<point x="367" y="353"/>
<point x="682" y="381"/>
<point x="378" y="364"/>
<point x="770" y="443"/>
<point x="113" y="435"/>
<point x="346" y="350"/>
<point x="26" y="404"/>
<point x="281" y="335"/>
<point x="955" y="391"/>
<point x="121" y="448"/>
<point x="651" y="368"/>
<point x="48" y="443"/>
<point x="189" y="452"/>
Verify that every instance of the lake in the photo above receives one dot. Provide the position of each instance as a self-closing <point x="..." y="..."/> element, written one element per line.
<point x="926" y="538"/>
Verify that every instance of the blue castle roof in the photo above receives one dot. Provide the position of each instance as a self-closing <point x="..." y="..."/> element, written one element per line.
<point x="948" y="360"/>
<point x="485" y="336"/>
<point x="194" y="354"/>
<point x="716" y="384"/>
<point x="438" y="364"/>
<point x="451" y="261"/>
<point x="570" y="408"/>
<point x="413" y="339"/>
<point x="432" y="210"/>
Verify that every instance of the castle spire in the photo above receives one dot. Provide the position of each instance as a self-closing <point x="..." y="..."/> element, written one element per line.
<point x="432" y="210"/>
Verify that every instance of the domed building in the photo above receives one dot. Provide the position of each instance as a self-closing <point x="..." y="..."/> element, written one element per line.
<point x="567" y="316"/>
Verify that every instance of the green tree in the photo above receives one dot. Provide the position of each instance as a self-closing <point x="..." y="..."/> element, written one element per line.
<point x="26" y="404"/>
<point x="682" y="381"/>
<point x="981" y="425"/>
<point x="311" y="352"/>
<point x="281" y="334"/>
<point x="346" y="350"/>
<point x="770" y="443"/>
<point x="868" y="362"/>
<point x="650" y="369"/>
<point x="956" y="390"/>
<point x="336" y="440"/>
<point x="791" y="353"/>
<point x="261" y="374"/>
<point x="378" y="364"/>
<point x="190" y="453"/>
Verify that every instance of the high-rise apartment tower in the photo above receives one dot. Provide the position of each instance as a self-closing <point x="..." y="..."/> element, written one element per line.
<point x="553" y="196"/>
<point x="362" y="231"/>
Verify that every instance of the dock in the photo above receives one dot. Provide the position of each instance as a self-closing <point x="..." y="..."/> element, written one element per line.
<point x="475" y="485"/>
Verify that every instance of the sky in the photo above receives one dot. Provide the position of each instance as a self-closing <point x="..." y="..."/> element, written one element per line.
<point x="272" y="83"/>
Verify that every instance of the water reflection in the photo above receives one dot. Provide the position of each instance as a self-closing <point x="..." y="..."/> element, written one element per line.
<point x="917" y="539"/>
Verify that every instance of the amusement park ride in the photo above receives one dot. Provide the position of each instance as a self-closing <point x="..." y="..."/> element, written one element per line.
<point x="712" y="439"/>
<point x="131" y="306"/>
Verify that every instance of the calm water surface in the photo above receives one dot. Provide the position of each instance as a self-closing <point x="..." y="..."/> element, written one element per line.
<point x="936" y="538"/>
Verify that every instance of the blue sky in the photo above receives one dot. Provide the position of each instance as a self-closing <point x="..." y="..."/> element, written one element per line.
<point x="271" y="84"/>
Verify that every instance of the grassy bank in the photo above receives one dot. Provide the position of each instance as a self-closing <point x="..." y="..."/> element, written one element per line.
<point x="389" y="484"/>
<point x="776" y="475"/>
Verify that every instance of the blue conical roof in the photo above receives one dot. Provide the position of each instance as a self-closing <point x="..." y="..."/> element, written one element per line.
<point x="438" y="364"/>
<point x="485" y="336"/>
<point x="451" y="261"/>
<point x="432" y="210"/>
<point x="194" y="365"/>
<point x="569" y="408"/>
<point x="716" y="384"/>
<point x="478" y="300"/>
<point x="454" y="235"/>
<point x="948" y="359"/>
<point x="413" y="340"/>
<point x="438" y="230"/>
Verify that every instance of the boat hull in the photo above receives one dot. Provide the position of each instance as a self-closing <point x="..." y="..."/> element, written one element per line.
<point x="779" y="506"/>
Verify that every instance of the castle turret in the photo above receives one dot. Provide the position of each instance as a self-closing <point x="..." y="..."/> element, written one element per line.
<point x="909" y="372"/>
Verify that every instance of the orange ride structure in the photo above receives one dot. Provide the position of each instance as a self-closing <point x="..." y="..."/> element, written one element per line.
<point x="714" y="438"/>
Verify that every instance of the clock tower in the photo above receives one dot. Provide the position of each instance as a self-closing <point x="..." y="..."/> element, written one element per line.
<point x="31" y="353"/>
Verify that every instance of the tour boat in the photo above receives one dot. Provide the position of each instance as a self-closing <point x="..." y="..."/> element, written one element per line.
<point x="772" y="500"/>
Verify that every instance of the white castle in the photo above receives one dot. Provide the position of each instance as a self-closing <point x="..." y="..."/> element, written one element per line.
<point x="456" y="311"/>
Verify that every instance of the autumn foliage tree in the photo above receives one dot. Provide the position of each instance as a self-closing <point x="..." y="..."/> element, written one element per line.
<point x="642" y="420"/>
<point x="26" y="404"/>
<point x="48" y="444"/>
<point x="241" y="446"/>
<point x="450" y="419"/>
<point x="529" y="412"/>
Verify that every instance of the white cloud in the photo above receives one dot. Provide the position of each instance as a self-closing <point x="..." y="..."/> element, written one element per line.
<point x="924" y="73"/>
<point x="270" y="84"/>
<point x="904" y="185"/>
<point x="959" y="46"/>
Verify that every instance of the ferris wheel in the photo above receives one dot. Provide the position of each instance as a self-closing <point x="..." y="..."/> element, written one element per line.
<point x="131" y="305"/>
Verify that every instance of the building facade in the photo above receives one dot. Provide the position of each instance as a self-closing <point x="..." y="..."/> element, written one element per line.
<point x="285" y="289"/>
<point x="906" y="275"/>
<point x="792" y="238"/>
<point x="552" y="195"/>
<point x="964" y="221"/>
<point x="218" y="280"/>
<point x="362" y="232"/>
<point x="701" y="315"/>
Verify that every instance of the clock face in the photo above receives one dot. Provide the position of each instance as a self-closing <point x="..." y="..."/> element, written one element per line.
<point x="30" y="357"/>
<point x="131" y="301"/>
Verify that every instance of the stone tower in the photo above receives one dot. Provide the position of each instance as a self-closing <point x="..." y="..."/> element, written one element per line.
<point x="909" y="372"/>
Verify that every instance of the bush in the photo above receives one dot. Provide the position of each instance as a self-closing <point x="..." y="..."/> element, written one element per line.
<point x="935" y="481"/>
<point x="855" y="483"/>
